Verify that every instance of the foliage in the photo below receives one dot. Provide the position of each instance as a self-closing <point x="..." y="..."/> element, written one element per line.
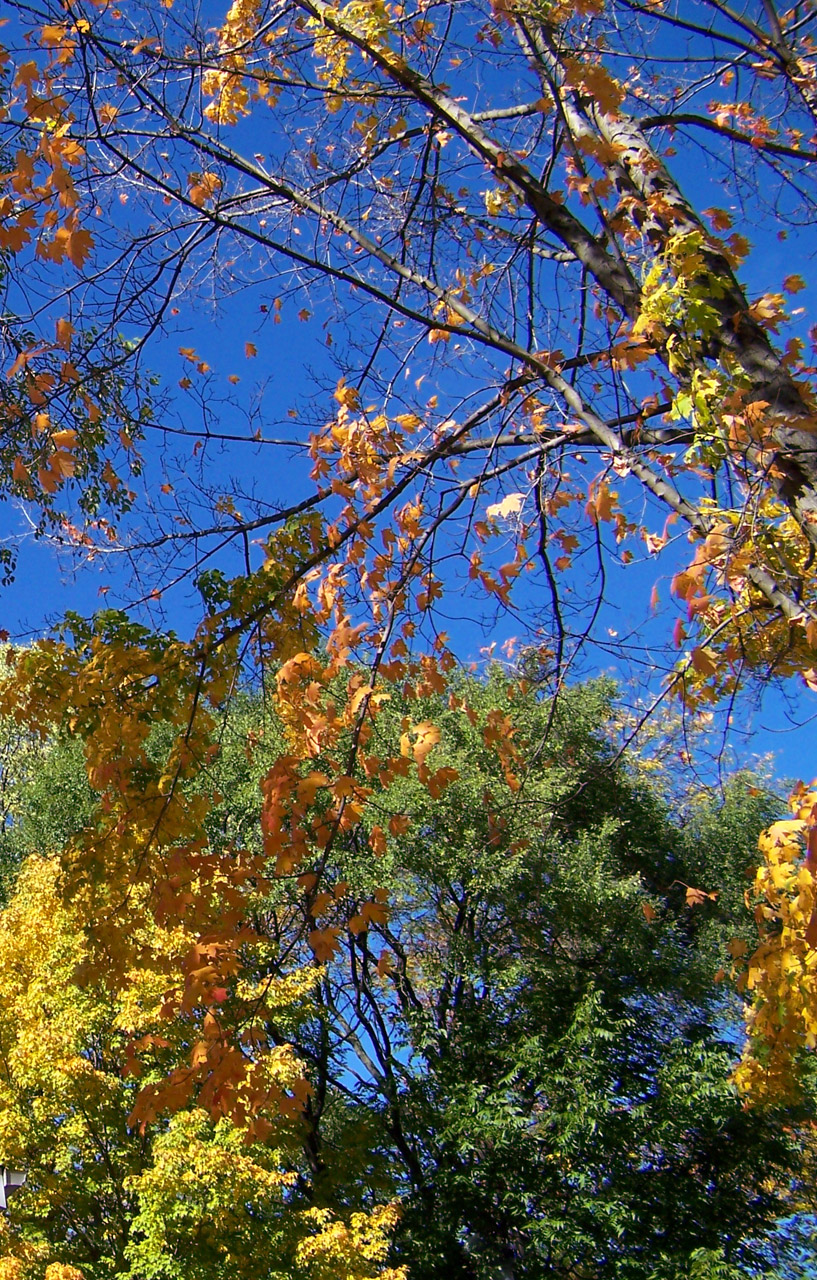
<point x="566" y="1091"/>
<point x="779" y="976"/>
<point x="540" y="360"/>
<point x="186" y="1199"/>
<point x="526" y="1050"/>
<point x="393" y="174"/>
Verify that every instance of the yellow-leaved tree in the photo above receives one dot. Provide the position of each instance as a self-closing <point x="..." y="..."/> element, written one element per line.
<point x="190" y="1197"/>
<point x="780" y="976"/>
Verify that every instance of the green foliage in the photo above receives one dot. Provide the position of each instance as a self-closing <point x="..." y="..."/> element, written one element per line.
<point x="568" y="1096"/>
<point x="206" y="1203"/>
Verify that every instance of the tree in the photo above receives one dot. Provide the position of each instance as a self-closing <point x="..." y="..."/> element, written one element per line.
<point x="549" y="1057"/>
<point x="515" y="229"/>
<point x="528" y="1052"/>
<point x="190" y="1197"/>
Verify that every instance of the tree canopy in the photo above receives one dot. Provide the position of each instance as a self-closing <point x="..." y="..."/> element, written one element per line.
<point x="518" y="280"/>
<point x="522" y="1069"/>
<point x="546" y="332"/>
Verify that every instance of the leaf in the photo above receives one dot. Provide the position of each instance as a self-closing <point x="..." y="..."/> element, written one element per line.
<point x="509" y="506"/>
<point x="597" y="83"/>
<point x="203" y="188"/>
<point x="427" y="735"/>
<point x="66" y="439"/>
<point x="309" y="786"/>
<point x="704" y="661"/>
<point x="601" y="503"/>
<point x="324" y="943"/>
<point x="65" y="332"/>
<point x="696" y="897"/>
<point x="719" y="219"/>
<point x="377" y="841"/>
<point x="73" y="243"/>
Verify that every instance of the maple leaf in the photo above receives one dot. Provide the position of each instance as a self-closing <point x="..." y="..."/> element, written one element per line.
<point x="65" y="332"/>
<point x="719" y="219"/>
<point x="324" y="943"/>
<point x="65" y="439"/>
<point x="601" y="503"/>
<point x="72" y="242"/>
<point x="203" y="188"/>
<point x="696" y="897"/>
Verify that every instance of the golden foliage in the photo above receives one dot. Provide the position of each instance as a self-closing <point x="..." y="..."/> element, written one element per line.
<point x="781" y="975"/>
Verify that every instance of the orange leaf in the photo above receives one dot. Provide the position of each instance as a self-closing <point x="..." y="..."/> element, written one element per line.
<point x="601" y="504"/>
<point x="49" y="481"/>
<point x="695" y="897"/>
<point x="74" y="244"/>
<point x="203" y="187"/>
<point x="65" y="332"/>
<point x="427" y="737"/>
<point x="324" y="943"/>
<point x="64" y="439"/>
<point x="377" y="841"/>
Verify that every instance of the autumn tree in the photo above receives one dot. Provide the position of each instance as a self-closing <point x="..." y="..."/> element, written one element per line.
<point x="187" y="1198"/>
<point x="544" y="352"/>
<point x="395" y="164"/>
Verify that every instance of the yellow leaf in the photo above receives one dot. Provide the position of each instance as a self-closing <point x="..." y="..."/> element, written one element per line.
<point x="703" y="660"/>
<point x="509" y="506"/>
<point x="427" y="735"/>
<point x="348" y="397"/>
